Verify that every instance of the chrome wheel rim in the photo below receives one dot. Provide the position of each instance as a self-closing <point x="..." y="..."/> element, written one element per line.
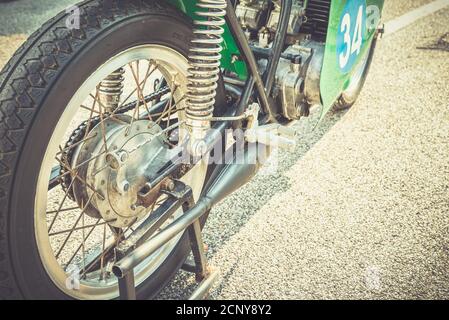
<point x="173" y="67"/>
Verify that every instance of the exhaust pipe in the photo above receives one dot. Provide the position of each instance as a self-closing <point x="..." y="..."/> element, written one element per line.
<point x="225" y="180"/>
<point x="229" y="177"/>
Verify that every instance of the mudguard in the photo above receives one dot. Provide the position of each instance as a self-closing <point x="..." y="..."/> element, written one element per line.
<point x="351" y="29"/>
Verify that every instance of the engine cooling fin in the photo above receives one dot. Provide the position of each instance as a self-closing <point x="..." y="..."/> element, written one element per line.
<point x="317" y="13"/>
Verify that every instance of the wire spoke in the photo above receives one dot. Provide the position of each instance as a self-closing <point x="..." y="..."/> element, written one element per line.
<point x="141" y="84"/>
<point x="83" y="243"/>
<point x="102" y="255"/>
<point x="60" y="207"/>
<point x="171" y="109"/>
<point x="80" y="165"/>
<point x="74" y="226"/>
<point x="89" y="109"/>
<point x="80" y="228"/>
<point x="86" y="240"/>
<point x="103" y="129"/>
<point x="139" y="89"/>
<point x="62" y="210"/>
<point x="68" y="148"/>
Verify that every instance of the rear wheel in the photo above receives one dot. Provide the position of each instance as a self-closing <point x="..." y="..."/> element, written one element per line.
<point x="80" y="124"/>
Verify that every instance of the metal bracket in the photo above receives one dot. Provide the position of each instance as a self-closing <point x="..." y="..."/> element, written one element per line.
<point x="127" y="251"/>
<point x="381" y="30"/>
<point x="273" y="134"/>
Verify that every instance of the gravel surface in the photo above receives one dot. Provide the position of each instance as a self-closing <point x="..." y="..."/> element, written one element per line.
<point x="359" y="208"/>
<point x="22" y="17"/>
<point x="396" y="8"/>
<point x="8" y="45"/>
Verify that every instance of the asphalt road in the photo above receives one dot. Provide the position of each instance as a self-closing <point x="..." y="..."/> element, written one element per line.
<point x="360" y="209"/>
<point x="24" y="16"/>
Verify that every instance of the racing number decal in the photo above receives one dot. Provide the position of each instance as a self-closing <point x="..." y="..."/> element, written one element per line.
<point x="345" y="27"/>
<point x="351" y="31"/>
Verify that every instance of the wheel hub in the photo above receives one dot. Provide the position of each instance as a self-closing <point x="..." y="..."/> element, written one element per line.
<point x="135" y="152"/>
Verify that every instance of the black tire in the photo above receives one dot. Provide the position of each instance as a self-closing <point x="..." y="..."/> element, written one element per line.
<point x="347" y="99"/>
<point x="35" y="86"/>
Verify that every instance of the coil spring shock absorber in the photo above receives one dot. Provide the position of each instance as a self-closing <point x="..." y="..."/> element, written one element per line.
<point x="204" y="69"/>
<point x="110" y="90"/>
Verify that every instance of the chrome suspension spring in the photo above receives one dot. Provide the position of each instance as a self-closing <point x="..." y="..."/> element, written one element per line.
<point x="204" y="65"/>
<point x="110" y="90"/>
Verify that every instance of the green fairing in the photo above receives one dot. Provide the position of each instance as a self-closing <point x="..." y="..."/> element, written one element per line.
<point x="333" y="81"/>
<point x="230" y="49"/>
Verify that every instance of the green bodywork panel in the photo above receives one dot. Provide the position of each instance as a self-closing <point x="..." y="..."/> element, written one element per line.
<point x="333" y="80"/>
<point x="230" y="48"/>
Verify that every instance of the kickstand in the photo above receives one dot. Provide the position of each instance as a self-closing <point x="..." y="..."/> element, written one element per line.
<point x="204" y="274"/>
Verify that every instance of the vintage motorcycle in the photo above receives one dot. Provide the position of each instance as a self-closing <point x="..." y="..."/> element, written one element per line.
<point x="111" y="114"/>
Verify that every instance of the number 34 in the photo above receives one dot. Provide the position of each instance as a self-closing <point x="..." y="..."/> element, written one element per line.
<point x="353" y="43"/>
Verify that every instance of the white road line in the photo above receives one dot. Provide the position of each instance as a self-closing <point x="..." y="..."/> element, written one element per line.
<point x="414" y="15"/>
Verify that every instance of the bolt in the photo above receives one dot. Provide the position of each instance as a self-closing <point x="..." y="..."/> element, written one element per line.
<point x="169" y="185"/>
<point x="115" y="159"/>
<point x="198" y="148"/>
<point x="112" y="160"/>
<point x="100" y="196"/>
<point x="123" y="156"/>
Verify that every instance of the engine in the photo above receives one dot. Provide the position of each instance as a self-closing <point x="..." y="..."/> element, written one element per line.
<point x="260" y="18"/>
<point x="298" y="74"/>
